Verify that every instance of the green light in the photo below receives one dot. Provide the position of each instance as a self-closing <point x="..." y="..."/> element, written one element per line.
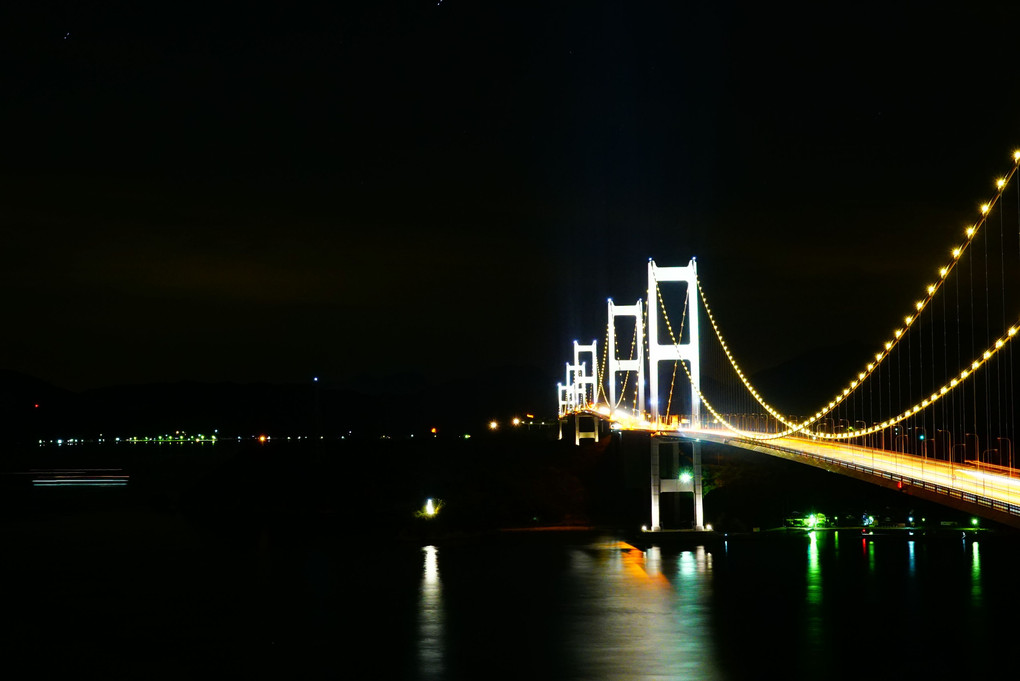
<point x="685" y="476"/>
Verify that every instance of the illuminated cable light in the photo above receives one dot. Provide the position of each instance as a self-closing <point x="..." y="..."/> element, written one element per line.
<point x="984" y="208"/>
<point x="898" y="332"/>
<point x="970" y="231"/>
<point x="1000" y="183"/>
<point x="934" y="397"/>
<point x="919" y="304"/>
<point x="931" y="289"/>
<point x="907" y="320"/>
<point x="879" y="356"/>
<point x="1016" y="156"/>
<point x="957" y="252"/>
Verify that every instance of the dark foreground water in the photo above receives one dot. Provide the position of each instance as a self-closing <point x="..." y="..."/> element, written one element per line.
<point x="135" y="593"/>
<point x="797" y="607"/>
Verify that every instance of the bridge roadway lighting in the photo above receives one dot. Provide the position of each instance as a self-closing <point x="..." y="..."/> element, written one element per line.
<point x="987" y="452"/>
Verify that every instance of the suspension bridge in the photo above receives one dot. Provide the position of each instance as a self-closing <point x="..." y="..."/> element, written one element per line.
<point x="930" y="411"/>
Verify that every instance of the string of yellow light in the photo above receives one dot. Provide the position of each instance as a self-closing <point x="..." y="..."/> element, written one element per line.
<point x="957" y="381"/>
<point x="931" y="289"/>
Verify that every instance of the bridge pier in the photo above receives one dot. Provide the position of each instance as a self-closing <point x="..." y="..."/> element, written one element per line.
<point x="676" y="480"/>
<point x="578" y="433"/>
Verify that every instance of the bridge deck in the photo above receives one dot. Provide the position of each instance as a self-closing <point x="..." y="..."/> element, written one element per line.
<point x="990" y="493"/>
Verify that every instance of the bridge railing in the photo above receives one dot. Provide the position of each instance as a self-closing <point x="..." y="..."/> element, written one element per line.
<point x="1012" y="509"/>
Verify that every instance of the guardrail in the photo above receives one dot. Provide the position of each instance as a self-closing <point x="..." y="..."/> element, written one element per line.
<point x="969" y="497"/>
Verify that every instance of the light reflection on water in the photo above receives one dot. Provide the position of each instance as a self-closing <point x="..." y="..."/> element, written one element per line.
<point x="975" y="573"/>
<point x="814" y="572"/>
<point x="641" y="615"/>
<point x="608" y="610"/>
<point x="430" y="618"/>
<point x="624" y="614"/>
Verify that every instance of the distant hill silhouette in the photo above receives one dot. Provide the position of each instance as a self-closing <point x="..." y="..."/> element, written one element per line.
<point x="410" y="405"/>
<point x="396" y="405"/>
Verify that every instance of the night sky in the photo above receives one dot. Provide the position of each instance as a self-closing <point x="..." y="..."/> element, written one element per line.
<point x="255" y="192"/>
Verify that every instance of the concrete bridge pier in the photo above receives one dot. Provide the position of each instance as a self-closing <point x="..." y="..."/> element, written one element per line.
<point x="672" y="479"/>
<point x="586" y="427"/>
<point x="588" y="434"/>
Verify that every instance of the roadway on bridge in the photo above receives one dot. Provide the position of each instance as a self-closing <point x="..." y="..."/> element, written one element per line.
<point x="961" y="478"/>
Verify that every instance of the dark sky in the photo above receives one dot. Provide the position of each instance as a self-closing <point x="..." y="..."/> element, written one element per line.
<point x="236" y="191"/>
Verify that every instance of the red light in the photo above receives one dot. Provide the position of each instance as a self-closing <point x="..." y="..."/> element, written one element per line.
<point x="37" y="405"/>
<point x="899" y="485"/>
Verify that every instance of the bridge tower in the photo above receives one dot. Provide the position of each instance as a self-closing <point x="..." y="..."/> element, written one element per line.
<point x="633" y="364"/>
<point x="571" y="397"/>
<point x="585" y="390"/>
<point x="669" y="352"/>
<point x="566" y="394"/>
<point x="563" y="399"/>
<point x="585" y="386"/>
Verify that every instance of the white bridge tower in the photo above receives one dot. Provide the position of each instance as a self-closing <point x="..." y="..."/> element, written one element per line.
<point x="634" y="363"/>
<point x="676" y="351"/>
